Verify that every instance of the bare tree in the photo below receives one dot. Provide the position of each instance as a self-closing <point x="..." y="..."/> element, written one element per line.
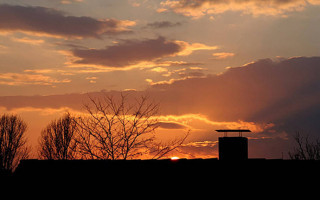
<point x="117" y="129"/>
<point x="305" y="149"/>
<point x="12" y="142"/>
<point x="57" y="139"/>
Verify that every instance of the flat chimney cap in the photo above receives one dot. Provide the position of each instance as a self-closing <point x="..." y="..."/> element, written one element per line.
<point x="232" y="130"/>
<point x="226" y="131"/>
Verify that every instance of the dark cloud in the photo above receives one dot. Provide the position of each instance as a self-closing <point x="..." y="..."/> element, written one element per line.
<point x="262" y="90"/>
<point x="171" y="125"/>
<point x="41" y="20"/>
<point x="128" y="52"/>
<point x="284" y="93"/>
<point x="163" y="24"/>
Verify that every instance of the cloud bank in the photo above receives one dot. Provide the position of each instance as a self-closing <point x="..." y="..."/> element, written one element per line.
<point x="53" y="23"/>
<point x="262" y="91"/>
<point x="274" y="98"/>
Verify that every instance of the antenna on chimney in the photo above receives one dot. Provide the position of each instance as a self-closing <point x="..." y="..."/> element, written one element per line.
<point x="226" y="131"/>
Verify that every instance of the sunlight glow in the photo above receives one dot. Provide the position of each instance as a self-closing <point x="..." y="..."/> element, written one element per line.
<point x="175" y="158"/>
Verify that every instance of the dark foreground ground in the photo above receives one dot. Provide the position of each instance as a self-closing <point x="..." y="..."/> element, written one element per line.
<point x="169" y="169"/>
<point x="168" y="179"/>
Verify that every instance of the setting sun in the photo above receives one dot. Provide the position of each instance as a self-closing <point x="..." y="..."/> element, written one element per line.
<point x="174" y="158"/>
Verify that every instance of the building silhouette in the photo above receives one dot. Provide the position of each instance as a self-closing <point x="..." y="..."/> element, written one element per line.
<point x="233" y="148"/>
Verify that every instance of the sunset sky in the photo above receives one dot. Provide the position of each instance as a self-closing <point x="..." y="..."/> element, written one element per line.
<point x="211" y="64"/>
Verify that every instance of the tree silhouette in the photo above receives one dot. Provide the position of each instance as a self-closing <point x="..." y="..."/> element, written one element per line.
<point x="12" y="142"/>
<point x="57" y="139"/>
<point x="117" y="129"/>
<point x="305" y="149"/>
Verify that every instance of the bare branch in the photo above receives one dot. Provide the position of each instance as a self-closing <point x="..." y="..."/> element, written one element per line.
<point x="117" y="129"/>
<point x="57" y="139"/>
<point x="305" y="149"/>
<point x="162" y="149"/>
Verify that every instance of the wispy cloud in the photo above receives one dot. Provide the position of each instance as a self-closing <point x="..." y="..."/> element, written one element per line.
<point x="198" y="120"/>
<point x="163" y="24"/>
<point x="16" y="79"/>
<point x="27" y="40"/>
<point x="199" y="8"/>
<point x="92" y="79"/>
<point x="70" y="1"/>
<point x="222" y="55"/>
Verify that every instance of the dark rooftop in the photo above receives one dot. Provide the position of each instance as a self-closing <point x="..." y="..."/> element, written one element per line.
<point x="157" y="170"/>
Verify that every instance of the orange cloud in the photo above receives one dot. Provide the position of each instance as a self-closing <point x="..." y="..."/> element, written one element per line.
<point x="222" y="55"/>
<point x="199" y="8"/>
<point x="46" y="111"/>
<point x="27" y="40"/>
<point x="170" y="81"/>
<point x="199" y="149"/>
<point x="198" y="121"/>
<point x="189" y="48"/>
<point x="159" y="69"/>
<point x="92" y="79"/>
<point x="28" y="79"/>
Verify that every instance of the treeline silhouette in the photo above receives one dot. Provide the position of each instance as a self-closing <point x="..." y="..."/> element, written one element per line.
<point x="112" y="129"/>
<point x="13" y="143"/>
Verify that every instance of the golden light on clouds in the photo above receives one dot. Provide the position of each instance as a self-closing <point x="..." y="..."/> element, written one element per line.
<point x="196" y="121"/>
<point x="188" y="48"/>
<point x="222" y="55"/>
<point x="16" y="79"/>
<point x="199" y="8"/>
<point x="27" y="40"/>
